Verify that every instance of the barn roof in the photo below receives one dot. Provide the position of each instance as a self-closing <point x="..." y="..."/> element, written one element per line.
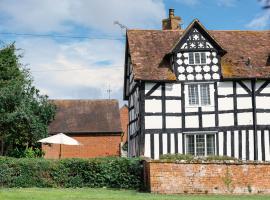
<point x="86" y="116"/>
<point x="149" y="49"/>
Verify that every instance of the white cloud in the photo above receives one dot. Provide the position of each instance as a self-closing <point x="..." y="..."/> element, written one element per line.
<point x="61" y="16"/>
<point x="226" y="3"/>
<point x="261" y="21"/>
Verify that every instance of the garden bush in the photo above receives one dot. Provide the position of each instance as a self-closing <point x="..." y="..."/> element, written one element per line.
<point x="100" y="172"/>
<point x="191" y="158"/>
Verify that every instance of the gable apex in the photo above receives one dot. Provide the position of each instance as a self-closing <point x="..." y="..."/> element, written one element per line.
<point x="197" y="25"/>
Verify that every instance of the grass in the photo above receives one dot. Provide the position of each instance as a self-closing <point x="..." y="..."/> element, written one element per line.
<point x="106" y="194"/>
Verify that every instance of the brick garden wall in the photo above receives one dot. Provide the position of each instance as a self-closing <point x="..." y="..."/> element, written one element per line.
<point x="237" y="178"/>
<point x="93" y="145"/>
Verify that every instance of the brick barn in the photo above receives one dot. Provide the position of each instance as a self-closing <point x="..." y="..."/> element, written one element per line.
<point x="94" y="123"/>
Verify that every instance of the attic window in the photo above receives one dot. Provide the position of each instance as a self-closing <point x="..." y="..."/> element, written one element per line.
<point x="197" y="58"/>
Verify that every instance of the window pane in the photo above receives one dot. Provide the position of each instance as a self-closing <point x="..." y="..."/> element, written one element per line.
<point x="200" y="145"/>
<point x="203" y="58"/>
<point x="193" y="95"/>
<point x="210" y="144"/>
<point x="191" y="58"/>
<point x="205" y="94"/>
<point x="197" y="58"/>
<point x="190" y="144"/>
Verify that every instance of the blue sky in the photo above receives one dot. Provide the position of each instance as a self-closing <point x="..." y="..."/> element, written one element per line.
<point x="90" y="60"/>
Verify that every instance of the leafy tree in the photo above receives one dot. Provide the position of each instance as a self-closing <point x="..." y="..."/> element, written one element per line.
<point x="24" y="112"/>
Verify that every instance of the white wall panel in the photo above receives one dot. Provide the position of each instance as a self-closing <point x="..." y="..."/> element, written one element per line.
<point x="229" y="142"/>
<point x="266" y="144"/>
<point x="149" y="86"/>
<point x="173" y="89"/>
<point x="244" y="156"/>
<point x="208" y="120"/>
<point x="240" y="90"/>
<point x="153" y="105"/>
<point x="266" y="89"/>
<point x="191" y="109"/>
<point x="225" y="88"/>
<point x="259" y="140"/>
<point x="263" y="102"/>
<point x="147" y="152"/>
<point x="245" y="118"/>
<point x="236" y="144"/>
<point x="263" y="118"/>
<point x="192" y="121"/>
<point x="251" y="145"/>
<point x="225" y="103"/>
<point x="180" y="148"/>
<point x="173" y="106"/>
<point x="156" y="146"/>
<point x="173" y="122"/>
<point x="153" y="122"/>
<point x="165" y="143"/>
<point x="172" y="144"/>
<point x="220" y="143"/>
<point x="244" y="102"/>
<point x="208" y="108"/>
<point x="226" y="119"/>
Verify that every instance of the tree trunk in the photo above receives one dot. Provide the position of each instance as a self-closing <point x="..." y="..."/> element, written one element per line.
<point x="2" y="147"/>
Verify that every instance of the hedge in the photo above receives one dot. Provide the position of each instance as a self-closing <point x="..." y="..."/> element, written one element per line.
<point x="102" y="172"/>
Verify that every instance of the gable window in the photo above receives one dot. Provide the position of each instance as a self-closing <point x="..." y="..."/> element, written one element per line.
<point x="199" y="94"/>
<point x="200" y="144"/>
<point x="197" y="58"/>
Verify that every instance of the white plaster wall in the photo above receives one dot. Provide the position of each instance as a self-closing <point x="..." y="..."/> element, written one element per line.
<point x="220" y="143"/>
<point x="180" y="148"/>
<point x="156" y="146"/>
<point x="208" y="108"/>
<point x="225" y="88"/>
<point x="192" y="121"/>
<point x="251" y="145"/>
<point x="236" y="144"/>
<point x="263" y="118"/>
<point x="266" y="89"/>
<point x="147" y="145"/>
<point x="225" y="103"/>
<point x="173" y="106"/>
<point x="208" y="120"/>
<point x="266" y="144"/>
<point x="226" y="119"/>
<point x="153" y="105"/>
<point x="153" y="122"/>
<point x="164" y="140"/>
<point x="191" y="109"/>
<point x="173" y="122"/>
<point x="173" y="89"/>
<point x="245" y="118"/>
<point x="244" y="102"/>
<point x="244" y="156"/>
<point x="240" y="90"/>
<point x="172" y="144"/>
<point x="263" y="102"/>
<point x="259" y="140"/>
<point x="229" y="142"/>
<point x="148" y="86"/>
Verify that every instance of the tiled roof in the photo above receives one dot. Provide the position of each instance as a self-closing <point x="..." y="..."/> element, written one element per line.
<point x="86" y="116"/>
<point x="148" y="50"/>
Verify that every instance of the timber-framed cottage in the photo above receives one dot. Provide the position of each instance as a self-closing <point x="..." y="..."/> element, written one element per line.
<point x="198" y="91"/>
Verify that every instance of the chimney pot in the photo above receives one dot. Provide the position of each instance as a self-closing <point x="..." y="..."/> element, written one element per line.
<point x="171" y="23"/>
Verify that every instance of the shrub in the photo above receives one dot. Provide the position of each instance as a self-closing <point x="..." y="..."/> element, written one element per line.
<point x="189" y="158"/>
<point x="100" y="172"/>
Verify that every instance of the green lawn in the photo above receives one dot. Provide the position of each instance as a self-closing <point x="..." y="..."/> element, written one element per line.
<point x="105" y="194"/>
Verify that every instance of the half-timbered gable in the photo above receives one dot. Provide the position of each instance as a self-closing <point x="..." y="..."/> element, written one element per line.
<point x="198" y="92"/>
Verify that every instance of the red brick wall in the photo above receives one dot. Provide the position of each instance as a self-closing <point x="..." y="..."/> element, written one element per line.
<point x="234" y="178"/>
<point x="95" y="145"/>
<point x="124" y="122"/>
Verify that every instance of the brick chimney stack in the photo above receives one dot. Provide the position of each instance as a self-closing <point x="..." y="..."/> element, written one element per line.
<point x="172" y="23"/>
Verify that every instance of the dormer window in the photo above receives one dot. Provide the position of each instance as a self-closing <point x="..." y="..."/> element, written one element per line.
<point x="197" y="58"/>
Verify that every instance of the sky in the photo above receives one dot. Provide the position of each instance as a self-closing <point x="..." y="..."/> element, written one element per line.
<point x="74" y="49"/>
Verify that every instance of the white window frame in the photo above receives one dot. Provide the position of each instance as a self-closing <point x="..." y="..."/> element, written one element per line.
<point x="211" y="95"/>
<point x="200" y="53"/>
<point x="205" y="144"/>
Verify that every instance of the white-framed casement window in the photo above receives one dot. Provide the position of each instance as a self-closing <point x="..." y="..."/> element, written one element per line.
<point x="199" y="94"/>
<point x="200" y="144"/>
<point x="197" y="58"/>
